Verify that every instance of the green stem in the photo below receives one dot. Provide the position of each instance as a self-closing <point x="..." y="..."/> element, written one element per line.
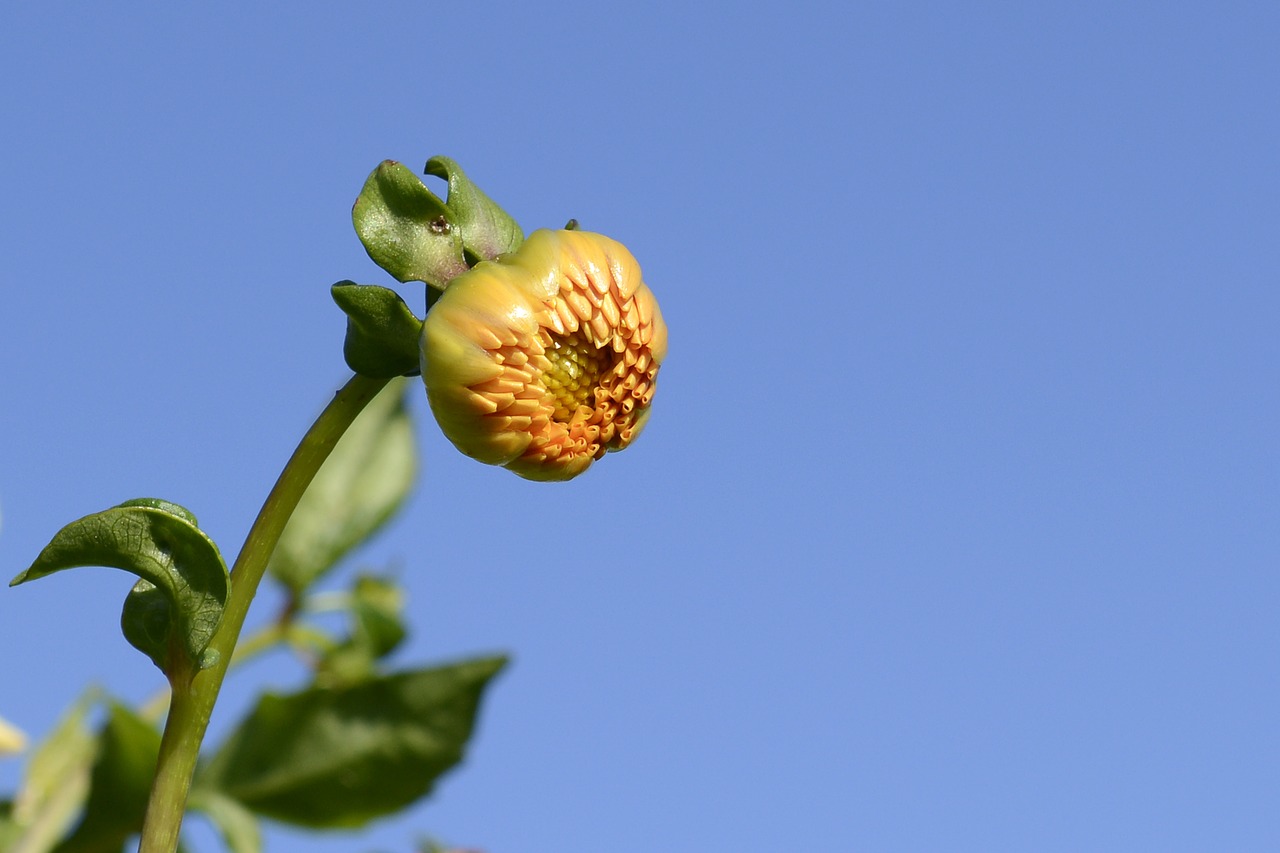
<point x="259" y="642"/>
<point x="195" y="694"/>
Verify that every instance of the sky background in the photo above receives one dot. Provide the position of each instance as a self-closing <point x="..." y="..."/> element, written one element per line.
<point x="955" y="524"/>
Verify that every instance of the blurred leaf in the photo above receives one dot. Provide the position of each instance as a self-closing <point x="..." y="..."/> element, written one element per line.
<point x="55" y="783"/>
<point x="360" y="486"/>
<point x="160" y="543"/>
<point x="9" y="829"/>
<point x="119" y="784"/>
<point x="382" y="333"/>
<point x="406" y="228"/>
<point x="487" y="229"/>
<point x="308" y="640"/>
<point x="236" y="824"/>
<point x="341" y="757"/>
<point x="374" y="607"/>
<point x="345" y="665"/>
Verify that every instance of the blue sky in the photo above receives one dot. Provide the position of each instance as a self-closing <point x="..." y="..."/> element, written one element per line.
<point x="955" y="525"/>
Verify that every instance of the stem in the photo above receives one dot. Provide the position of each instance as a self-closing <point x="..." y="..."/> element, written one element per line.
<point x="195" y="693"/>
<point x="259" y="642"/>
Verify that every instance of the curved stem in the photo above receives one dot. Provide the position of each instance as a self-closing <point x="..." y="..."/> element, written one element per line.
<point x="195" y="693"/>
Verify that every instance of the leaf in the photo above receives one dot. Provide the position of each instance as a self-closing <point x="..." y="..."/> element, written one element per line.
<point x="236" y="824"/>
<point x="10" y="832"/>
<point x="119" y="784"/>
<point x="55" y="783"/>
<point x="382" y="333"/>
<point x="375" y="612"/>
<point x="487" y="229"/>
<point x="406" y="229"/>
<point x="342" y="757"/>
<point x="160" y="543"/>
<point x="146" y="621"/>
<point x="374" y="607"/>
<point x="360" y="486"/>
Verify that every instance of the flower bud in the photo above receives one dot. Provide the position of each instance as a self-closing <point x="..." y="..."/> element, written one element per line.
<point x="545" y="359"/>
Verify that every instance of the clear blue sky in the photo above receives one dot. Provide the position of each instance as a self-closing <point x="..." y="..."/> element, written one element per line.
<point x="956" y="523"/>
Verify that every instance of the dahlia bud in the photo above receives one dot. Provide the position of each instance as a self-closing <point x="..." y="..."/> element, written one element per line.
<point x="545" y="358"/>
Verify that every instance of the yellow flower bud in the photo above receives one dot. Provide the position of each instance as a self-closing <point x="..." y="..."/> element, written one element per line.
<point x="545" y="358"/>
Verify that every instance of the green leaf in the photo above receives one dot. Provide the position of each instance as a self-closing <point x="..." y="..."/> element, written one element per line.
<point x="55" y="783"/>
<point x="10" y="832"/>
<point x="487" y="229"/>
<point x="374" y="607"/>
<point x="382" y="333"/>
<point x="165" y="506"/>
<point x="342" y="757"/>
<point x="119" y="784"/>
<point x="146" y="622"/>
<point x="236" y="824"/>
<point x="406" y="228"/>
<point x="375" y="612"/>
<point x="345" y="665"/>
<point x="160" y="543"/>
<point x="360" y="486"/>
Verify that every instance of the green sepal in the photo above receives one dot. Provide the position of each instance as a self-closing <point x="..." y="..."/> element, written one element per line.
<point x="119" y="784"/>
<point x="340" y="757"/>
<point x="406" y="229"/>
<point x="382" y="332"/>
<point x="487" y="229"/>
<point x="357" y="490"/>
<point x="409" y="232"/>
<point x="173" y="614"/>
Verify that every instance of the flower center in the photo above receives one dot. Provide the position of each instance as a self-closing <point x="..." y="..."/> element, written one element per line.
<point x="576" y="369"/>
